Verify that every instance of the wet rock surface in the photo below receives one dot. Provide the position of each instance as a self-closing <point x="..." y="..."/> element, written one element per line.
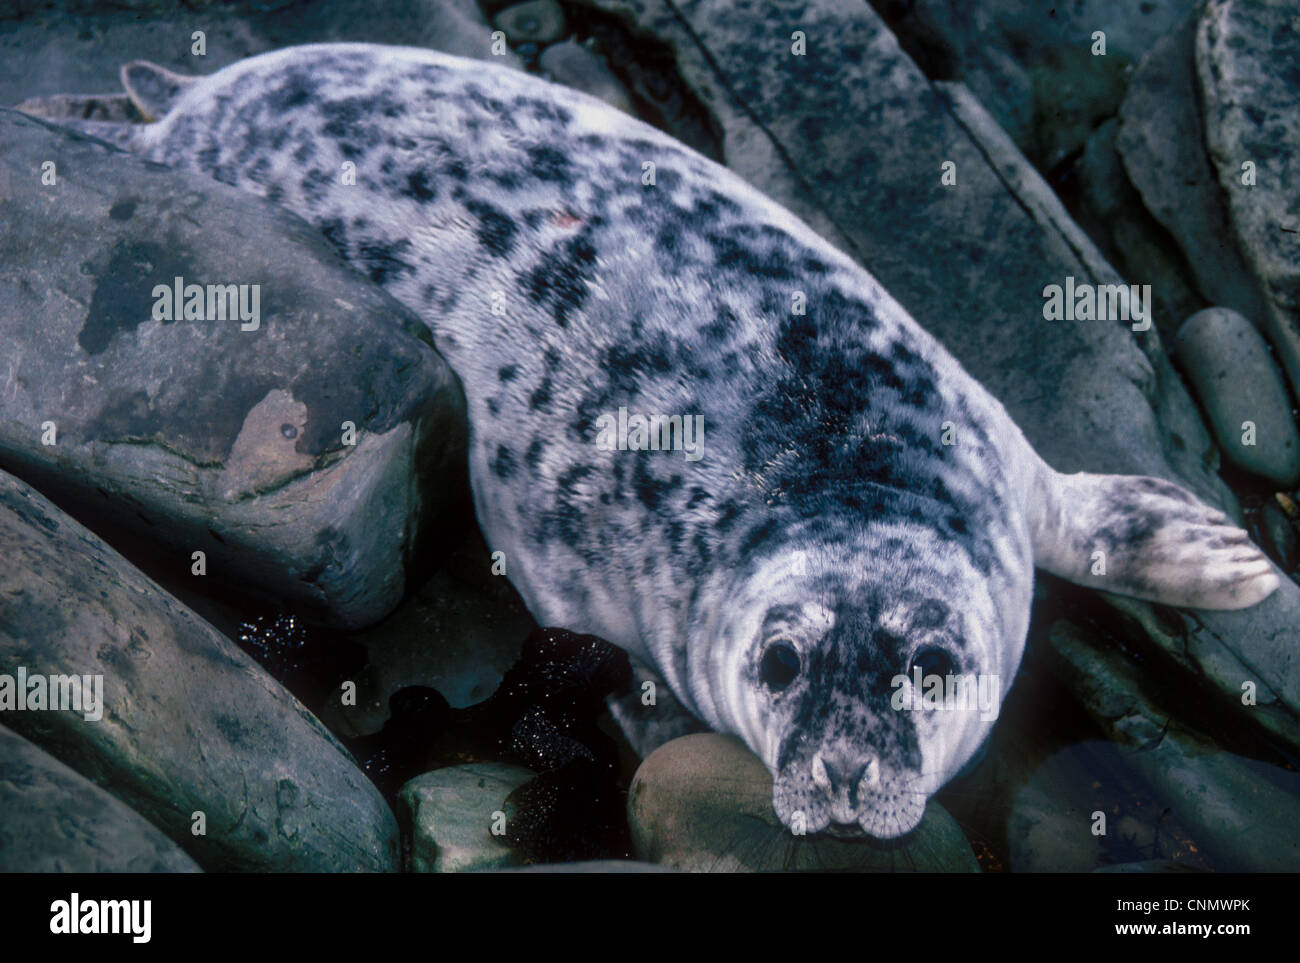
<point x="54" y="820"/>
<point x="1244" y="396"/>
<point x="1241" y="811"/>
<point x="451" y="813"/>
<point x="1162" y="142"/>
<point x="304" y="446"/>
<point x="1246" y="51"/>
<point x="188" y="723"/>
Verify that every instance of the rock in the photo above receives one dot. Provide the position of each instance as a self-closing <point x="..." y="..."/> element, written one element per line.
<point x="458" y="633"/>
<point x="1050" y="827"/>
<point x="1243" y="814"/>
<point x="187" y="722"/>
<point x="1140" y="246"/>
<point x="53" y="50"/>
<point x="1149" y="866"/>
<point x="450" y="814"/>
<point x="703" y="803"/>
<point x="1162" y="142"/>
<point x="1245" y="57"/>
<point x="1032" y="64"/>
<point x="459" y="27"/>
<point x="1230" y="368"/>
<point x="200" y="435"/>
<point x="538" y="21"/>
<point x="1278" y="536"/>
<point x="53" y="820"/>
<point x="591" y="866"/>
<point x="573" y="64"/>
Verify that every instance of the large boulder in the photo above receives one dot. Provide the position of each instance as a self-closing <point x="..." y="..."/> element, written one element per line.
<point x="176" y="721"/>
<point x="1162" y="143"/>
<point x="305" y="451"/>
<point x="1246" y="56"/>
<point x="1037" y="66"/>
<point x="60" y="48"/>
<point x="53" y="820"/>
<point x="1243" y="813"/>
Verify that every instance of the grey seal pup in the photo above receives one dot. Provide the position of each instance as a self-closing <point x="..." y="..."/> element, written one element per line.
<point x="697" y="429"/>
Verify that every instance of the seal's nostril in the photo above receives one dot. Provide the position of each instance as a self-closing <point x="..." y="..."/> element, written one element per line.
<point x="837" y="772"/>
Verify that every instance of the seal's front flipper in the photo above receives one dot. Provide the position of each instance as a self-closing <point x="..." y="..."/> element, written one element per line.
<point x="153" y="89"/>
<point x="1145" y="537"/>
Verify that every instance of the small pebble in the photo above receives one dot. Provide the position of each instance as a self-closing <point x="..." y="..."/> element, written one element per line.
<point x="1232" y="373"/>
<point x="575" y="66"/>
<point x="539" y="21"/>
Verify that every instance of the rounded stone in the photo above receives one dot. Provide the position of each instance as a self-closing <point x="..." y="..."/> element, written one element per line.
<point x="1233" y="374"/>
<point x="450" y="814"/>
<point x="703" y="803"/>
<point x="575" y="66"/>
<point x="538" y="21"/>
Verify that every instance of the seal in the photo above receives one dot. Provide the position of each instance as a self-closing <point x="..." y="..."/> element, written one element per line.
<point x="697" y="429"/>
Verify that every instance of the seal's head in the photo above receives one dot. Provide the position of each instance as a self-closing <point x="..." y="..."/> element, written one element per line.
<point x="863" y="687"/>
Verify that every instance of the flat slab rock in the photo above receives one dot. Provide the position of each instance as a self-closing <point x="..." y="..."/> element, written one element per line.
<point x="198" y="433"/>
<point x="187" y="723"/>
<point x="54" y="820"/>
<point x="1162" y="143"/>
<point x="1247" y="57"/>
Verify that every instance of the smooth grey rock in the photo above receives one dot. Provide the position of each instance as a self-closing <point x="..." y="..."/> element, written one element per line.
<point x="200" y="435"/>
<point x="1278" y="536"/>
<point x="450" y="814"/>
<point x="1050" y="826"/>
<point x="1162" y="142"/>
<point x="538" y="21"/>
<point x="572" y="64"/>
<point x="1112" y="211"/>
<point x="1031" y="63"/>
<point x="1149" y="866"/>
<point x="53" y="820"/>
<point x="1244" y="814"/>
<point x="460" y="27"/>
<point x="458" y="633"/>
<point x="52" y="50"/>
<point x="1246" y="52"/>
<point x="1232" y="372"/>
<point x="189" y="722"/>
<point x="703" y="803"/>
<point x="590" y="866"/>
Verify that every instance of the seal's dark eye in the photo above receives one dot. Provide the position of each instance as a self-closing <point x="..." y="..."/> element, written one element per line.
<point x="780" y="665"/>
<point x="931" y="661"/>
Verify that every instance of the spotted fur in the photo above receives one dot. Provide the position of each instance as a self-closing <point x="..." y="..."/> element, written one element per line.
<point x="827" y="512"/>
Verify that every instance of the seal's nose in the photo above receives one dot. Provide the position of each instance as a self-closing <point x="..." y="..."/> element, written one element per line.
<point x="840" y="772"/>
